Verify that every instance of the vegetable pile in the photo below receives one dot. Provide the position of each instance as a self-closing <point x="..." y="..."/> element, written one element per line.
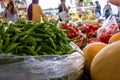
<point x="71" y="31"/>
<point x="91" y="29"/>
<point x="106" y="32"/>
<point x="28" y="38"/>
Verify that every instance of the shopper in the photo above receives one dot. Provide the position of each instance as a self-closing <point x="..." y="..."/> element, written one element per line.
<point x="10" y="13"/>
<point x="62" y="7"/>
<point x="92" y="4"/>
<point x="92" y="7"/>
<point x="35" y="13"/>
<point x="119" y="11"/>
<point x="97" y="9"/>
<point x="79" y="5"/>
<point x="107" y="10"/>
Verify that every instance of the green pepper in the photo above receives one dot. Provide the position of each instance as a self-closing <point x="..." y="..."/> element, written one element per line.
<point x="11" y="47"/>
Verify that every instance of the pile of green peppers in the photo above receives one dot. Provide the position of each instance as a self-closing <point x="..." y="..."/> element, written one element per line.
<point x="29" y="38"/>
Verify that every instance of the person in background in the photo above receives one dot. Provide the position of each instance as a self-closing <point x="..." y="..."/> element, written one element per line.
<point x="10" y="13"/>
<point x="35" y="13"/>
<point x="118" y="11"/>
<point x="80" y="3"/>
<point x="62" y="7"/>
<point x="91" y="4"/>
<point x="98" y="9"/>
<point x="79" y="6"/>
<point x="92" y="7"/>
<point x="107" y="10"/>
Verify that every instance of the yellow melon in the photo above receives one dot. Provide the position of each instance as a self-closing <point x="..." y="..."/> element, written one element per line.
<point x="114" y="38"/>
<point x="90" y="51"/>
<point x="106" y="64"/>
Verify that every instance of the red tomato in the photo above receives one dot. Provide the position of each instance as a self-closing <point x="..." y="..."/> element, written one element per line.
<point x="87" y="28"/>
<point x="103" y="38"/>
<point x="73" y="34"/>
<point x="112" y="26"/>
<point x="69" y="35"/>
<point x="103" y="30"/>
<point x="77" y="29"/>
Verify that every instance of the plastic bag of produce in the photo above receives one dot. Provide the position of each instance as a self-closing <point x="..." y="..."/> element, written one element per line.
<point x="44" y="67"/>
<point x="65" y="16"/>
<point x="108" y="28"/>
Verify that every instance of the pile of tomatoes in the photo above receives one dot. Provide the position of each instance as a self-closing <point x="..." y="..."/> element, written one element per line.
<point x="90" y="29"/>
<point x="104" y="33"/>
<point x="71" y="30"/>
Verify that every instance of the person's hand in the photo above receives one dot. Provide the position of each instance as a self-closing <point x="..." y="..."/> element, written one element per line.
<point x="115" y="2"/>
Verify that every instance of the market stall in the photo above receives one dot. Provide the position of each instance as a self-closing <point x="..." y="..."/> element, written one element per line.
<point x="83" y="48"/>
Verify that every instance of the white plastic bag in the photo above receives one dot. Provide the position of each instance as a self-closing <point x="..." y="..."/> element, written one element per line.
<point x="65" y="16"/>
<point x="44" y="67"/>
<point x="97" y="14"/>
<point x="109" y="27"/>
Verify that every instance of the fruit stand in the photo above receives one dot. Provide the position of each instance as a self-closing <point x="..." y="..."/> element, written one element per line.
<point x="32" y="41"/>
<point x="80" y="49"/>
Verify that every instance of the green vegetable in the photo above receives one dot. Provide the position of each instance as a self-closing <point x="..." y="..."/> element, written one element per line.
<point x="27" y="38"/>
